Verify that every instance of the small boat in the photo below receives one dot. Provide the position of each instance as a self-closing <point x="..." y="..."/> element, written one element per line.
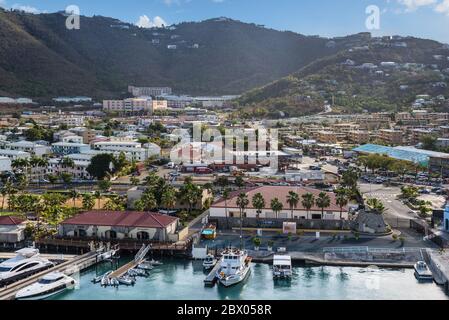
<point x="105" y="281"/>
<point x="235" y="266"/>
<point x="50" y="285"/>
<point x="209" y="262"/>
<point x="114" y="282"/>
<point x="155" y="263"/>
<point x="422" y="271"/>
<point x="137" y="273"/>
<point x="126" y="280"/>
<point x="145" y="266"/>
<point x="209" y="233"/>
<point x="282" y="267"/>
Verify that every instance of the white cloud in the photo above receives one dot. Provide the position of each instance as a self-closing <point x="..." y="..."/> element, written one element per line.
<point x="2" y="3"/>
<point x="146" y="22"/>
<point x="412" y="5"/>
<point x="443" y="7"/>
<point x="26" y="8"/>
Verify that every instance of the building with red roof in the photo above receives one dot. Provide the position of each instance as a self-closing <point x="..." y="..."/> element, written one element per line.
<point x="120" y="225"/>
<point x="219" y="208"/>
<point x="12" y="229"/>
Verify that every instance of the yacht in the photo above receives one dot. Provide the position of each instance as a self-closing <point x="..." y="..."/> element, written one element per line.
<point x="50" y="285"/>
<point x="209" y="262"/>
<point x="235" y="266"/>
<point x="422" y="271"/>
<point x="282" y="267"/>
<point x="26" y="262"/>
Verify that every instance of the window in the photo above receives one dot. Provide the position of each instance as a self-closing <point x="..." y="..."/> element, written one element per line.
<point x="28" y="266"/>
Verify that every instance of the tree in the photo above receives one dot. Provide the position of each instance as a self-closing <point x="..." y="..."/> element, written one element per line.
<point x="100" y="166"/>
<point x="410" y="193"/>
<point x="226" y="193"/>
<point x="222" y="181"/>
<point x="242" y="203"/>
<point x="52" y="179"/>
<point x="191" y="194"/>
<point x="424" y="211"/>
<point x="169" y="198"/>
<point x="258" y="202"/>
<point x="239" y="182"/>
<point x="276" y="206"/>
<point x="104" y="185"/>
<point x="429" y="142"/>
<point x="98" y="196"/>
<point x="67" y="162"/>
<point x="376" y="206"/>
<point x="74" y="195"/>
<point x="293" y="200"/>
<point x="116" y="203"/>
<point x="342" y="200"/>
<point x="147" y="202"/>
<point x="308" y="201"/>
<point x="135" y="181"/>
<point x="66" y="178"/>
<point x="323" y="201"/>
<point x="120" y="162"/>
<point x="7" y="190"/>
<point x="88" y="201"/>
<point x="53" y="199"/>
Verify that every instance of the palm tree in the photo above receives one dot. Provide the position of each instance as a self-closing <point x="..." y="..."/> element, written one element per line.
<point x="88" y="201"/>
<point x="147" y="202"/>
<point x="341" y="199"/>
<point x="191" y="193"/>
<point x="242" y="203"/>
<point x="74" y="195"/>
<point x="6" y="191"/>
<point x="98" y="196"/>
<point x="276" y="206"/>
<point x="376" y="205"/>
<point x="308" y="201"/>
<point x="258" y="203"/>
<point x="169" y="198"/>
<point x="67" y="162"/>
<point x="293" y="200"/>
<point x="226" y="193"/>
<point x="323" y="201"/>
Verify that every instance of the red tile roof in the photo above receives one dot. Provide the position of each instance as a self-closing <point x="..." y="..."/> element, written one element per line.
<point x="271" y="192"/>
<point x="10" y="220"/>
<point x="121" y="219"/>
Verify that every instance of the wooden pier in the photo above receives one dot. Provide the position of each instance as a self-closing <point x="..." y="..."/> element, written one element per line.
<point x="140" y="257"/>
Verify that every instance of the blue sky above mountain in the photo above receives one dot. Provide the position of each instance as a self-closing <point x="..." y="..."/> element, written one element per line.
<point x="421" y="18"/>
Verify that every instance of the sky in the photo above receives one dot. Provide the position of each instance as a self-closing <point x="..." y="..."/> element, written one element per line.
<point x="328" y="18"/>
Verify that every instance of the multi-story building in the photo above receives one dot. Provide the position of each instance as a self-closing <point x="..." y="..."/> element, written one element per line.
<point x="327" y="137"/>
<point x="358" y="136"/>
<point x="391" y="136"/>
<point x="150" y="91"/>
<point x="78" y="170"/>
<point x="132" y="150"/>
<point x="66" y="148"/>
<point x="14" y="154"/>
<point x="30" y="147"/>
<point x="159" y="105"/>
<point x="417" y="135"/>
<point x="128" y="105"/>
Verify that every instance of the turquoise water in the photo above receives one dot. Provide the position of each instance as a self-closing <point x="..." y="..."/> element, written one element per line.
<point x="183" y="280"/>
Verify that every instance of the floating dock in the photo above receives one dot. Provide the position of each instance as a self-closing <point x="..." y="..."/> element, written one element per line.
<point x="139" y="258"/>
<point x="211" y="278"/>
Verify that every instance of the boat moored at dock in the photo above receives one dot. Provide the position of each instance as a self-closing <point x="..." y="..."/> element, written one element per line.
<point x="422" y="271"/>
<point x="235" y="266"/>
<point x="50" y="285"/>
<point x="209" y="262"/>
<point x="282" y="267"/>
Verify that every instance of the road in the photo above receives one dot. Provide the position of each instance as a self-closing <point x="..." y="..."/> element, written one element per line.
<point x="388" y="195"/>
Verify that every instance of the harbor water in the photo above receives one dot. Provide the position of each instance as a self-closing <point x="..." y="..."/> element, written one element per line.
<point x="183" y="280"/>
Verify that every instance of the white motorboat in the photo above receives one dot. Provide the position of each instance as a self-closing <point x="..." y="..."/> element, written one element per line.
<point x="50" y="285"/>
<point x="127" y="280"/>
<point x="155" y="263"/>
<point x="282" y="267"/>
<point x="235" y="266"/>
<point x="26" y="262"/>
<point x="146" y="265"/>
<point x="422" y="271"/>
<point x="105" y="281"/>
<point x="137" y="273"/>
<point x="209" y="262"/>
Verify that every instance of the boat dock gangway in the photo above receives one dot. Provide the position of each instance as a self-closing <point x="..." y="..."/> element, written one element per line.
<point x="211" y="278"/>
<point x="138" y="259"/>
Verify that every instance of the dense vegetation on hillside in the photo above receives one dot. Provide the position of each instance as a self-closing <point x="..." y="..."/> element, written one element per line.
<point x="342" y="82"/>
<point x="39" y="57"/>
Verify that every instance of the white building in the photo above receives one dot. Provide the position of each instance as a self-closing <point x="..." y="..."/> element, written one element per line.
<point x="5" y="164"/>
<point x="30" y="147"/>
<point x="78" y="171"/>
<point x="14" y="154"/>
<point x="132" y="150"/>
<point x="128" y="105"/>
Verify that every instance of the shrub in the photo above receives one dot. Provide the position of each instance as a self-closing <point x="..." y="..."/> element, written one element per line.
<point x="395" y="237"/>
<point x="257" y="242"/>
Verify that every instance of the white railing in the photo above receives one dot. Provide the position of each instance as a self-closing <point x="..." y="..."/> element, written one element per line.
<point x="369" y="250"/>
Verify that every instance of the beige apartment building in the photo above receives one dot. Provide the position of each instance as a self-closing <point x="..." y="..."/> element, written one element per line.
<point x="359" y="136"/>
<point x="391" y="136"/>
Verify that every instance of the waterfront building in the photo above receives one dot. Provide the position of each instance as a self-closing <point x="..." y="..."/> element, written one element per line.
<point x="219" y="209"/>
<point x="12" y="229"/>
<point x="120" y="225"/>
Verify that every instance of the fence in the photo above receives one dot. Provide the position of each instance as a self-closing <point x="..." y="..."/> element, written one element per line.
<point x="370" y="250"/>
<point x="398" y="222"/>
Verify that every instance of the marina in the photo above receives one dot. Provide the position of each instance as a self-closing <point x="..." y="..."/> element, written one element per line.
<point x="180" y="279"/>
